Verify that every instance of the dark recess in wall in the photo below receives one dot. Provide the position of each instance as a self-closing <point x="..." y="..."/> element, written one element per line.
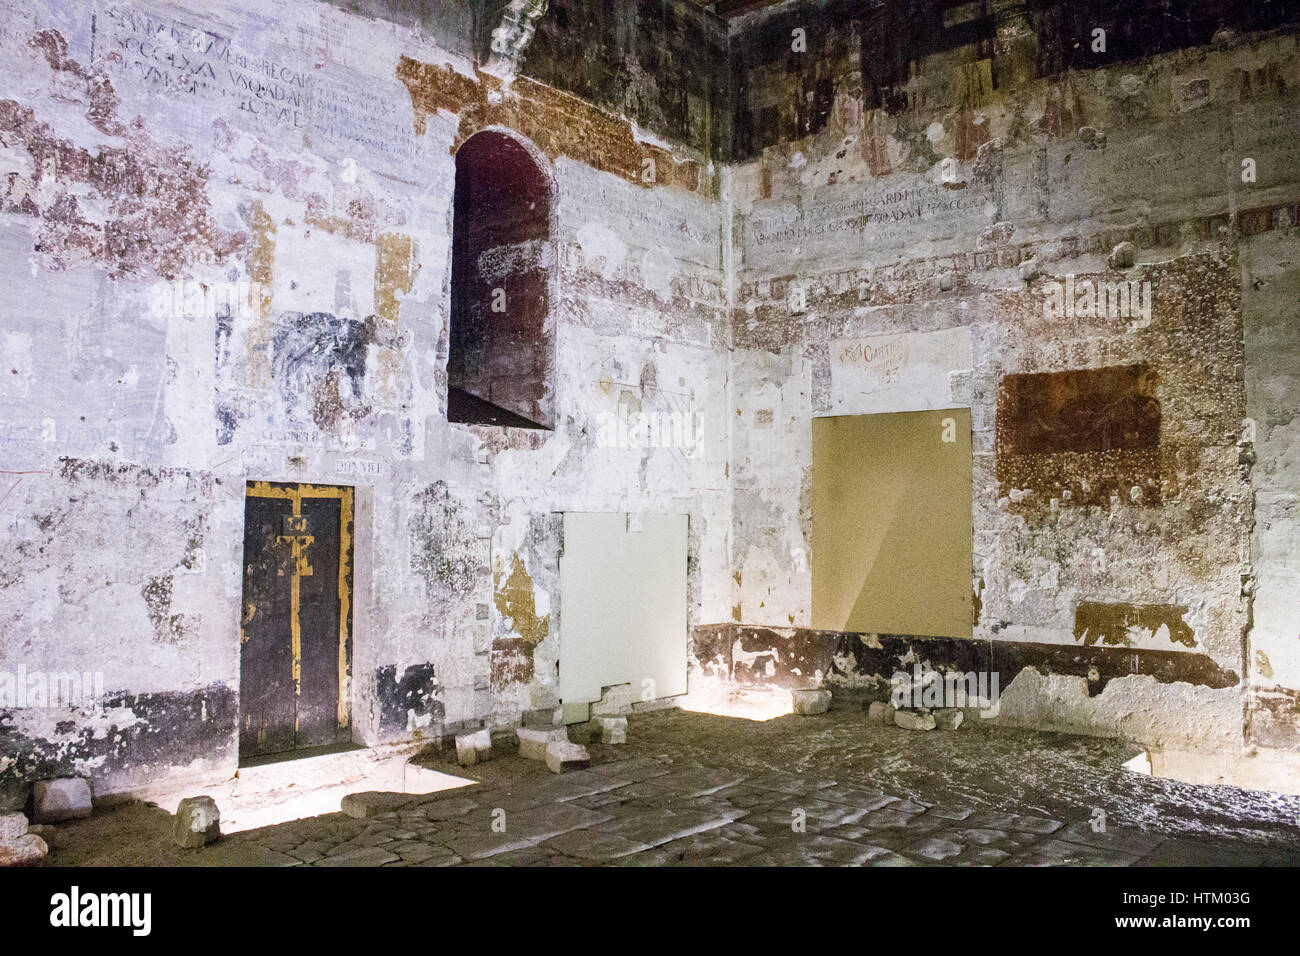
<point x="501" y="351"/>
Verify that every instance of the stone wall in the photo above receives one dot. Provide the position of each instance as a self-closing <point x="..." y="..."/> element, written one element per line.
<point x="226" y="236"/>
<point x="912" y="243"/>
<point x="226" y="240"/>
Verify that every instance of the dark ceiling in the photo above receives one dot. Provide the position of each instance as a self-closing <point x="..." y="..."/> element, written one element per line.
<point x="735" y="8"/>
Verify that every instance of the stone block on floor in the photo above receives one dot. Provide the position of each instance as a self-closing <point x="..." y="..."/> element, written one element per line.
<point x="67" y="798"/>
<point x="881" y="712"/>
<point x="12" y="826"/>
<point x="474" y="748"/>
<point x="26" y="850"/>
<point x="533" y="741"/>
<point x="914" y="720"/>
<point x="949" y="718"/>
<point x="613" y="730"/>
<point x="197" y="822"/>
<point x="811" y="700"/>
<point x="561" y="756"/>
<point x="371" y="803"/>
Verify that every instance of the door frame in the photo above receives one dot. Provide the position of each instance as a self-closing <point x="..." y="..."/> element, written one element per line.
<point x="296" y="493"/>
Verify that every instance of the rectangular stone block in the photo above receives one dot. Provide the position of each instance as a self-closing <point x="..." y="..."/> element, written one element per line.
<point x="533" y="741"/>
<point x="810" y="701"/>
<point x="12" y="826"/>
<point x="561" y="756"/>
<point x="950" y="718"/>
<point x="914" y="720"/>
<point x="881" y="712"/>
<point x="614" y="701"/>
<point x="474" y="747"/>
<point x="613" y="730"/>
<point x="67" y="798"/>
<point x="197" y="822"/>
<point x="27" y="850"/>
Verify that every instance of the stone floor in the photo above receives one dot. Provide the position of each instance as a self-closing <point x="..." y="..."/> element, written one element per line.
<point x="694" y="789"/>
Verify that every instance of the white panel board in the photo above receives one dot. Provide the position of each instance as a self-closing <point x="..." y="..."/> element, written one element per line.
<point x="622" y="605"/>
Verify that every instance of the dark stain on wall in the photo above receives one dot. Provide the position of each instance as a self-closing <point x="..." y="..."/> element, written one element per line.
<point x="1110" y="624"/>
<point x="445" y="552"/>
<point x="795" y="654"/>
<point x="130" y="475"/>
<point x="882" y="655"/>
<point x="662" y="64"/>
<point x="170" y="729"/>
<point x="1140" y="28"/>
<point x="1081" y="410"/>
<point x="227" y="422"/>
<point x="414" y="695"/>
<point x="168" y="628"/>
<point x="875" y="53"/>
<point x="315" y="353"/>
<point x="1093" y="432"/>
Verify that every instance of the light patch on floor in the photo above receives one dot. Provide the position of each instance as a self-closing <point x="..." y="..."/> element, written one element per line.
<point x="1261" y="769"/>
<point x="293" y="789"/>
<point x="747" y="703"/>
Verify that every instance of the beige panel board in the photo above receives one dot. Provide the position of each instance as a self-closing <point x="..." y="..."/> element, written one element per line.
<point x="891" y="523"/>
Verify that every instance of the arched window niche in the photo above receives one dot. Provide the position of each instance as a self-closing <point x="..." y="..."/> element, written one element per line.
<point x="502" y="350"/>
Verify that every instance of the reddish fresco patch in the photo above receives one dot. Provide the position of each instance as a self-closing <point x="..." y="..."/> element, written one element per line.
<point x="157" y="208"/>
<point x="102" y="111"/>
<point x="1081" y="410"/>
<point x="289" y="175"/>
<point x="558" y="123"/>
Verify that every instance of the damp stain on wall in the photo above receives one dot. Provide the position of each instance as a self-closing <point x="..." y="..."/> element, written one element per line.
<point x="130" y="735"/>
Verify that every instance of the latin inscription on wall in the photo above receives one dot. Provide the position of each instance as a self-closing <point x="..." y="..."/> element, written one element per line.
<point x="276" y="92"/>
<point x="853" y="221"/>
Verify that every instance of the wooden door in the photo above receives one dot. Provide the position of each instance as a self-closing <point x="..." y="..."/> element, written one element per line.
<point x="296" y="647"/>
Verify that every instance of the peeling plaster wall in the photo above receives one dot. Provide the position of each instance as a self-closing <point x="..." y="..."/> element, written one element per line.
<point x="897" y="239"/>
<point x="226" y="237"/>
<point x="1271" y="291"/>
<point x="226" y="234"/>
